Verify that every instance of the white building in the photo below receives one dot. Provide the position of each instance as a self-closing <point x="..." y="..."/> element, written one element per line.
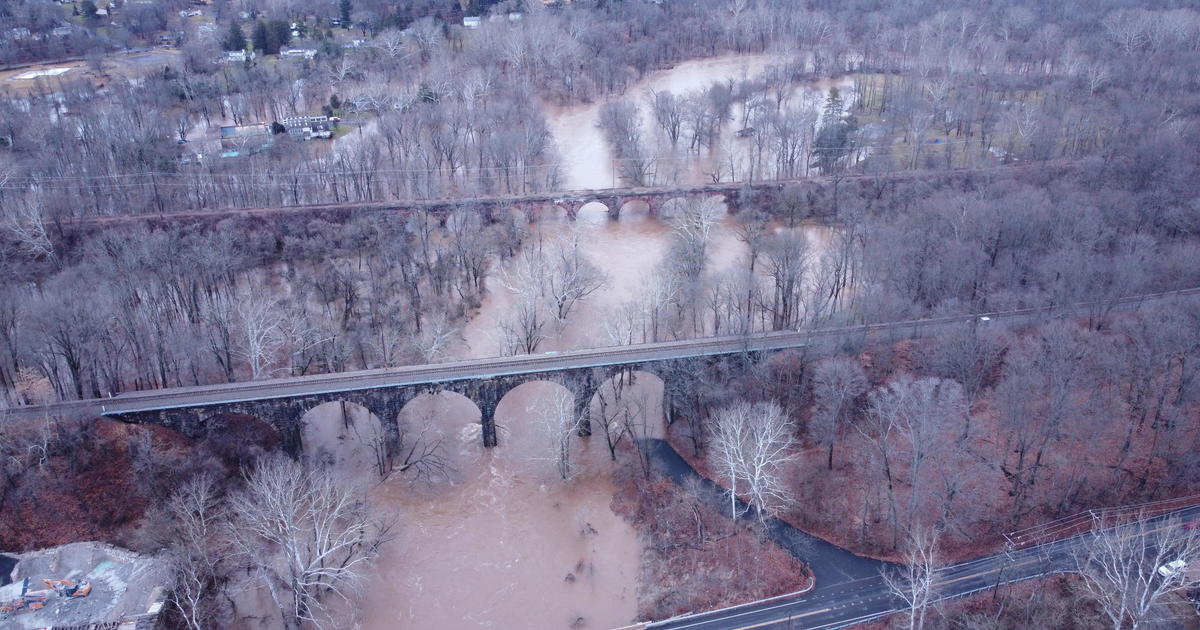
<point x="237" y="56"/>
<point x="307" y="53"/>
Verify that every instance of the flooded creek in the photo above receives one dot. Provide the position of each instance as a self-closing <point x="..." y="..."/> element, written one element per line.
<point x="502" y="541"/>
<point x="498" y="539"/>
<point x="587" y="159"/>
<point x="629" y="252"/>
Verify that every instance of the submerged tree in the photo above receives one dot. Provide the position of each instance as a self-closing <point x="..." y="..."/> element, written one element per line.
<point x="559" y="423"/>
<point x="307" y="533"/>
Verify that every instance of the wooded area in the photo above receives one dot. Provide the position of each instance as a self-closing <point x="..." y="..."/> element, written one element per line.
<point x="987" y="158"/>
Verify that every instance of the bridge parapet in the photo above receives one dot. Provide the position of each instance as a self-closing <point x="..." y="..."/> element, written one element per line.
<point x="285" y="413"/>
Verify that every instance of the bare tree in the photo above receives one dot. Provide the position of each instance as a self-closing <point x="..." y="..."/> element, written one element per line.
<point x="26" y="222"/>
<point x="571" y="276"/>
<point x="390" y="41"/>
<point x="692" y="230"/>
<point x="558" y="274"/>
<point x="433" y="341"/>
<point x="1120" y="567"/>
<point x="320" y="529"/>
<point x="198" y="519"/>
<point x="659" y="290"/>
<point x="668" y="113"/>
<point x="751" y="446"/>
<point x="625" y="324"/>
<point x="919" y="412"/>
<point x="636" y="424"/>
<point x="342" y="69"/>
<point x="260" y="331"/>
<point x="611" y="398"/>
<point x="559" y="423"/>
<point x="521" y="331"/>
<point x="1045" y="379"/>
<point x="968" y="355"/>
<point x="915" y="580"/>
<point x="622" y="126"/>
<point x="420" y="450"/>
<point x="837" y="383"/>
<point x="786" y="259"/>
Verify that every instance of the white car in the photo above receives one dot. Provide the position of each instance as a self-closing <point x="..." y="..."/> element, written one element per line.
<point x="1172" y="568"/>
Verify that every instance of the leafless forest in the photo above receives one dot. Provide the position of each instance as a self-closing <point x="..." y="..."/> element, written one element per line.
<point x="985" y="157"/>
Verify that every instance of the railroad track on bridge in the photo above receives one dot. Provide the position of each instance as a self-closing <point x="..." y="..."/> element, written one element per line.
<point x="548" y="198"/>
<point x="206" y="395"/>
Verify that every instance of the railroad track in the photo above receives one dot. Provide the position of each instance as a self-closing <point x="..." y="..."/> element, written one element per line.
<point x="172" y="398"/>
<point x="575" y="196"/>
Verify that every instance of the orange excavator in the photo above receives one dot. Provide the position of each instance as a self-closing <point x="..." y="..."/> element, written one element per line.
<point x="17" y="598"/>
<point x="70" y="588"/>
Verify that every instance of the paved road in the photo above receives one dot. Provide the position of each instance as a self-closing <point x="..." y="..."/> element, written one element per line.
<point x="830" y="564"/>
<point x="841" y="603"/>
<point x="177" y="397"/>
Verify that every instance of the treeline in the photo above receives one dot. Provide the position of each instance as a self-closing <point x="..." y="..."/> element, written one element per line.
<point x="136" y="309"/>
<point x="443" y="111"/>
<point x="980" y="430"/>
<point x="29" y="32"/>
<point x="148" y="309"/>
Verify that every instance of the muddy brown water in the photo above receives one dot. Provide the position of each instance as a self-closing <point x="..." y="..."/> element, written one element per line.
<point x="503" y="541"/>
<point x="587" y="160"/>
<point x="629" y="252"/>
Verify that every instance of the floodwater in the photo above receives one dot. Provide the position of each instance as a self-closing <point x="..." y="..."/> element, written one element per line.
<point x="630" y="253"/>
<point x="500" y="540"/>
<point x="497" y="538"/>
<point x="587" y="159"/>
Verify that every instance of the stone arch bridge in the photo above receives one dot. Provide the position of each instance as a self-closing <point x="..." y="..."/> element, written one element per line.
<point x="656" y="199"/>
<point x="384" y="392"/>
<point x="766" y="194"/>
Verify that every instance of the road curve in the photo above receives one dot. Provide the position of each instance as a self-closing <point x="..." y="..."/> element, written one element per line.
<point x="177" y="397"/>
<point x="840" y="603"/>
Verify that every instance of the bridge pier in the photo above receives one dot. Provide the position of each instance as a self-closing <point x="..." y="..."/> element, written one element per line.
<point x="285" y="413"/>
<point x="487" y="420"/>
<point x="486" y="395"/>
<point x="584" y="389"/>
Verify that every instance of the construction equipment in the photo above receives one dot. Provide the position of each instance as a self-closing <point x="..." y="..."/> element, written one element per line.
<point x="17" y="598"/>
<point x="70" y="588"/>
